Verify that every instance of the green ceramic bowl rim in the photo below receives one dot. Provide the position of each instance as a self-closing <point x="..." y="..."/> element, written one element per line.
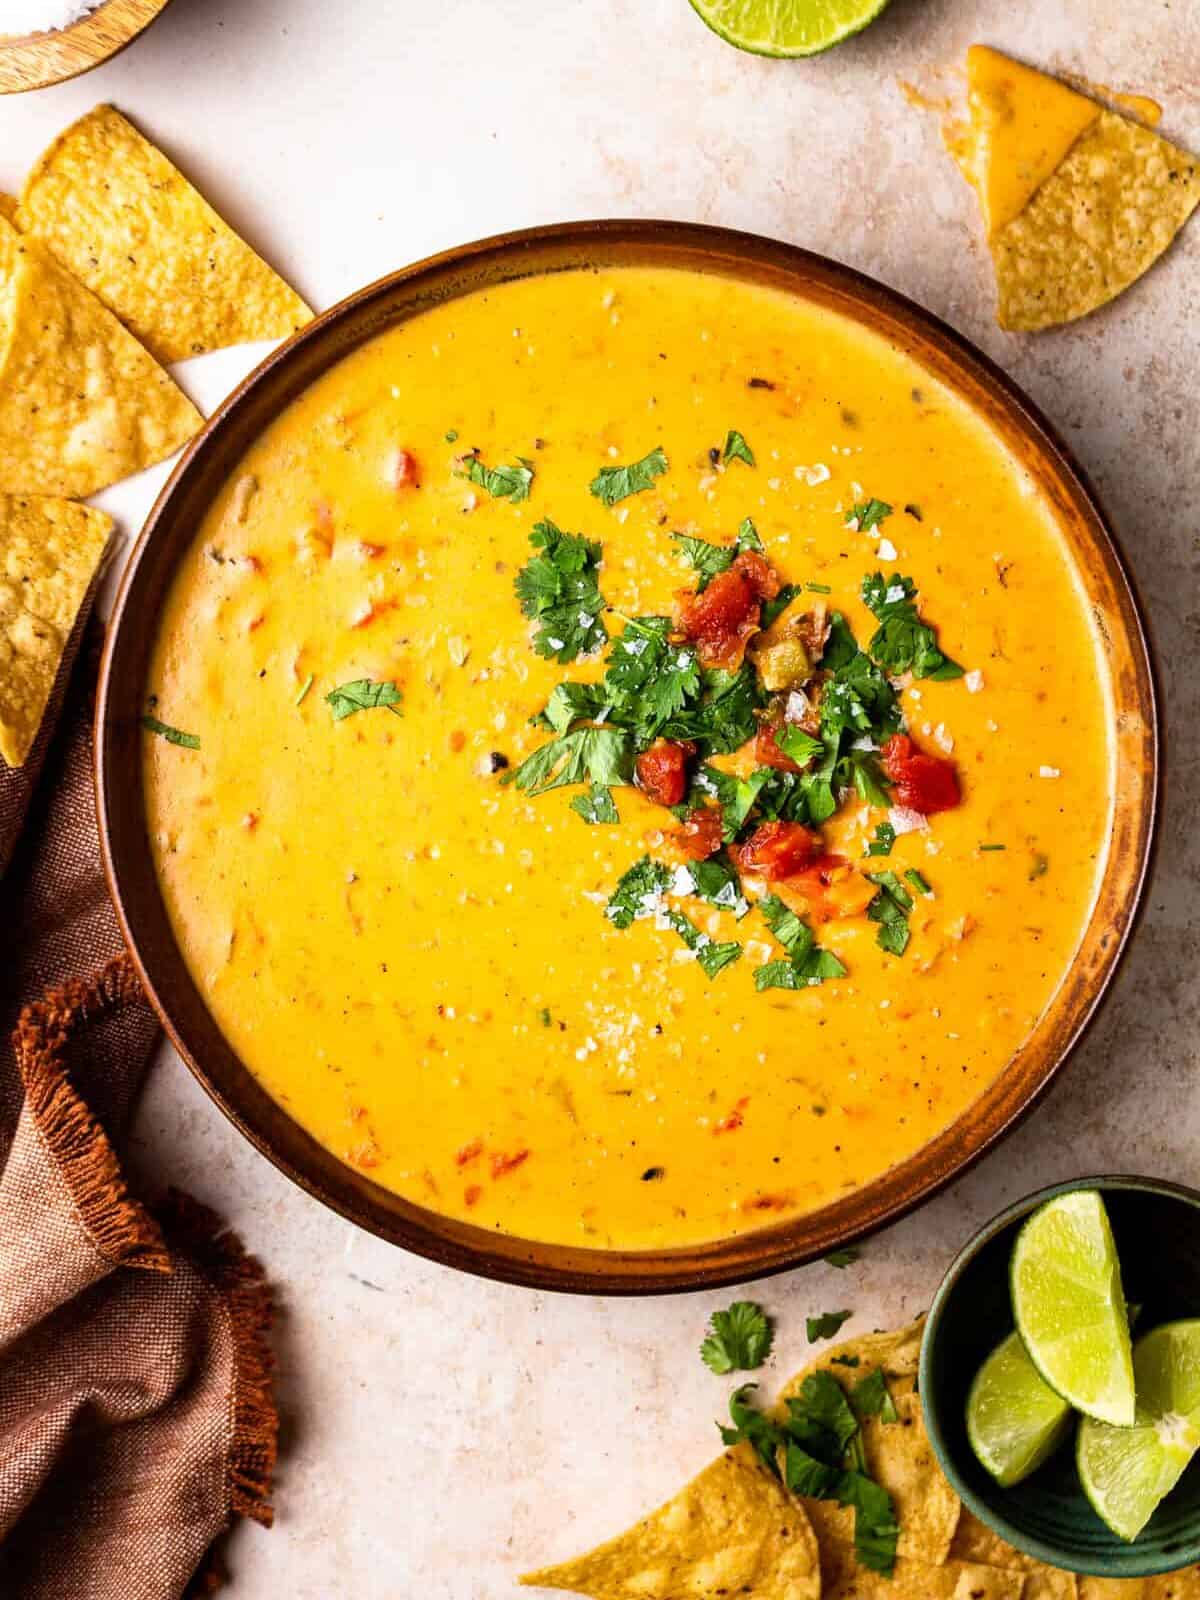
<point x="1132" y="1563"/>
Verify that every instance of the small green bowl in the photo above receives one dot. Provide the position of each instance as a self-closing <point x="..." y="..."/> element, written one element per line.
<point x="1157" y="1231"/>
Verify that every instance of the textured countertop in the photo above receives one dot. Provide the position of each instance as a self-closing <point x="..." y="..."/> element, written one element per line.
<point x="441" y="1433"/>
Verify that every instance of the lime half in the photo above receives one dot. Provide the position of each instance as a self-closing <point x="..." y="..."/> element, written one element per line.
<point x="787" y="27"/>
<point x="1125" y="1472"/>
<point x="1070" y="1311"/>
<point x="1014" y="1418"/>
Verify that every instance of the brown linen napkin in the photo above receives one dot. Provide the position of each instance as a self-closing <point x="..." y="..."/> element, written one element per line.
<point x="136" y="1414"/>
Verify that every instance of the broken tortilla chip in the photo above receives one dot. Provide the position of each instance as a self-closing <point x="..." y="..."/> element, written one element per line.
<point x="1095" y="226"/>
<point x="8" y="207"/>
<point x="843" y="1579"/>
<point x="975" y="1542"/>
<point x="115" y="212"/>
<point x="732" y="1530"/>
<point x="82" y="404"/>
<point x="50" y="551"/>
<point x="899" y="1455"/>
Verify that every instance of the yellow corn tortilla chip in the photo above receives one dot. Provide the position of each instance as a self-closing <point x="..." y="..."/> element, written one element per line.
<point x="81" y="402"/>
<point x="974" y="1541"/>
<point x="732" y="1531"/>
<point x="1100" y="221"/>
<point x="50" y="550"/>
<point x="899" y="1455"/>
<point x="8" y="207"/>
<point x="842" y="1579"/>
<point x="115" y="212"/>
<point x="1182" y="1585"/>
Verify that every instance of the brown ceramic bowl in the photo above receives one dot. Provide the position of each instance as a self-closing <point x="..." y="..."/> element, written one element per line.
<point x="170" y="529"/>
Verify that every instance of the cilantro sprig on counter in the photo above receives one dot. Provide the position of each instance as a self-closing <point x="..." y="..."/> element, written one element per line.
<point x="557" y="587"/>
<point x="738" y="1339"/>
<point x="815" y="1447"/>
<point x="617" y="483"/>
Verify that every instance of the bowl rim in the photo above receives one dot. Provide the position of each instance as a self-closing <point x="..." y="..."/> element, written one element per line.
<point x="741" y="1257"/>
<point x="57" y="55"/>
<point x="1132" y="1565"/>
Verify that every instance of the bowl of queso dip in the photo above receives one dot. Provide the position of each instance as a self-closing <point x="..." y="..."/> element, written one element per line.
<point x="627" y="756"/>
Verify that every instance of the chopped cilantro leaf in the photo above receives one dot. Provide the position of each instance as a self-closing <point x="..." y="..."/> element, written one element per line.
<point x="772" y="610"/>
<point x="572" y="702"/>
<point x="615" y="483"/>
<point x="736" y="449"/>
<point x="870" y="1398"/>
<point x="716" y="881"/>
<point x="638" y="893"/>
<point x="890" y="909"/>
<point x="588" y="755"/>
<point x="826" y="1324"/>
<point x="753" y="1427"/>
<point x="707" y="559"/>
<point x="304" y="688"/>
<point x="164" y="730"/>
<point x="722" y="719"/>
<point x="918" y="880"/>
<point x="868" y="514"/>
<point x="451" y="435"/>
<point x="843" y="1258"/>
<point x="902" y="642"/>
<point x="710" y="957"/>
<point x="992" y="847"/>
<point x="747" y="536"/>
<point x="876" y="1530"/>
<point x="797" y="744"/>
<point x="818" y="588"/>
<point x="362" y="694"/>
<point x="557" y="588"/>
<point x="545" y="1016"/>
<point x="885" y="838"/>
<point x="502" y="483"/>
<point x="806" y="964"/>
<point x="596" y="806"/>
<point x="738" y="1339"/>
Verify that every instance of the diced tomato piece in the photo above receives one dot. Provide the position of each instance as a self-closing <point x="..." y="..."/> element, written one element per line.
<point x="922" y="782"/>
<point x="405" y="472"/>
<point x="662" y="770"/>
<point x="758" y="573"/>
<point x="702" y="833"/>
<point x="767" y="752"/>
<point x="779" y="850"/>
<point x="725" y="615"/>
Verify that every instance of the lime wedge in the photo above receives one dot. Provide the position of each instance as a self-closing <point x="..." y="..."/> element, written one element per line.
<point x="1014" y="1419"/>
<point x="1125" y="1472"/>
<point x="787" y="27"/>
<point x="1066" y="1291"/>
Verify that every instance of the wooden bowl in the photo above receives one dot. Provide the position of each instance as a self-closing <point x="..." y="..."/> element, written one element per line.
<point x="170" y="530"/>
<point x="36" y="60"/>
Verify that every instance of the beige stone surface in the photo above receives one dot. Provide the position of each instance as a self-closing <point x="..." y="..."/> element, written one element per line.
<point x="441" y="1433"/>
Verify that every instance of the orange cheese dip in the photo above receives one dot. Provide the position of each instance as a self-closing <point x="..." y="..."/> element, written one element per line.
<point x="413" y="955"/>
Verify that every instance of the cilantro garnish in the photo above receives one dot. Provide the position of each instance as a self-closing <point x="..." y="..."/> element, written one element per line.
<point x="596" y="806"/>
<point x="304" y="688"/>
<point x="164" y="730"/>
<point x="797" y="744"/>
<point x="772" y="610"/>
<point x="546" y="1018"/>
<point x="902" y="642"/>
<point x="557" y="587"/>
<point x="736" y="449"/>
<point x="738" y="1339"/>
<point x="870" y="1398"/>
<point x="843" y="1258"/>
<point x="711" y="958"/>
<point x="588" y="755"/>
<point x="641" y="893"/>
<point x="615" y="483"/>
<point x="868" y="514"/>
<point x="806" y="963"/>
<point x="890" y="909"/>
<point x="992" y="847"/>
<point x="504" y="482"/>
<point x="716" y="881"/>
<point x="918" y="881"/>
<point x="825" y="1324"/>
<point x="885" y="838"/>
<point x="710" y="559"/>
<point x="363" y="694"/>
<point x="818" y="588"/>
<point x="816" y="1448"/>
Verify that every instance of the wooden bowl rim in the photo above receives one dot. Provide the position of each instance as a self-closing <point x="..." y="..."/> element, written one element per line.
<point x="130" y="871"/>
<point x="31" y="61"/>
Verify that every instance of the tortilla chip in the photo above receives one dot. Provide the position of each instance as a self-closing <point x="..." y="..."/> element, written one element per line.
<point x="1023" y="124"/>
<point x="81" y="403"/>
<point x="733" y="1530"/>
<point x="126" y="222"/>
<point x="8" y="207"/>
<point x="916" y="1580"/>
<point x="1095" y="226"/>
<point x="975" y="1541"/>
<point x="899" y="1455"/>
<point x="50" y="550"/>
